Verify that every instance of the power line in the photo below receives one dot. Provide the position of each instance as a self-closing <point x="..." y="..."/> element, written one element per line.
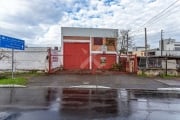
<point x="162" y="13"/>
<point x="151" y="33"/>
<point x="173" y="31"/>
<point x="160" y="17"/>
<point x="155" y="31"/>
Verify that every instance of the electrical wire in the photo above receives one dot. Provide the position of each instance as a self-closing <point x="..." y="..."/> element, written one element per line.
<point x="158" y="16"/>
<point x="161" y="13"/>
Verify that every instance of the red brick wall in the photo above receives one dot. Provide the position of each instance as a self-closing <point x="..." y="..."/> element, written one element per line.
<point x="97" y="63"/>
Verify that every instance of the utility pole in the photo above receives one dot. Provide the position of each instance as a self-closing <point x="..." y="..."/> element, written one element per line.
<point x="127" y="43"/>
<point x="166" y="64"/>
<point x="12" y="63"/>
<point x="146" y="47"/>
<point x="162" y="46"/>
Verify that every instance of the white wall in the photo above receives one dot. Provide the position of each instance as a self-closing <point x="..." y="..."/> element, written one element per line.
<point x="171" y="64"/>
<point x="169" y="46"/>
<point x="30" y="59"/>
<point x="89" y="32"/>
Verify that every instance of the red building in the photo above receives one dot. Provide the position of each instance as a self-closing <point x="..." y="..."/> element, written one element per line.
<point x="89" y="48"/>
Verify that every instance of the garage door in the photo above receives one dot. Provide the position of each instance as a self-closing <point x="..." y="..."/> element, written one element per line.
<point x="76" y="56"/>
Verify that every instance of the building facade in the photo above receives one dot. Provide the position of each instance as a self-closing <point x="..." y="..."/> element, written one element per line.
<point x="139" y="51"/>
<point x="169" y="48"/>
<point x="169" y="44"/>
<point x="89" y="48"/>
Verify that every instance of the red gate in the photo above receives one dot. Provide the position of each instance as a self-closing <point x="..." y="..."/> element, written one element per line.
<point x="129" y="63"/>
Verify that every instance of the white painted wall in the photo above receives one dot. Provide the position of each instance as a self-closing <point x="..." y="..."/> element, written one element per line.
<point x="29" y="59"/>
<point x="171" y="64"/>
<point x="93" y="32"/>
<point x="169" y="44"/>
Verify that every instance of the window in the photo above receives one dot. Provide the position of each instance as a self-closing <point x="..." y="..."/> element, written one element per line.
<point x="110" y="41"/>
<point x="176" y="44"/>
<point x="177" y="48"/>
<point x="98" y="41"/>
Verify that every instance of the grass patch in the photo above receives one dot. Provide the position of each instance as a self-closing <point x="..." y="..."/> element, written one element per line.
<point x="26" y="75"/>
<point x="142" y="74"/>
<point x="18" y="81"/>
<point x="168" y="76"/>
<point x="20" y="78"/>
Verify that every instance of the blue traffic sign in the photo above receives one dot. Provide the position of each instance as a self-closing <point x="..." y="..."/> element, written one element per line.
<point x="12" y="43"/>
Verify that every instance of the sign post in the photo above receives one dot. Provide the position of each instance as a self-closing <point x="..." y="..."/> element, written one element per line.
<point x="12" y="43"/>
<point x="12" y="63"/>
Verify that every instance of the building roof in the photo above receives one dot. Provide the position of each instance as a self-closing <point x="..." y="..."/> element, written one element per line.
<point x="89" y="32"/>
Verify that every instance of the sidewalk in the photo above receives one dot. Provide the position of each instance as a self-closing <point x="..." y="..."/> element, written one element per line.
<point x="172" y="83"/>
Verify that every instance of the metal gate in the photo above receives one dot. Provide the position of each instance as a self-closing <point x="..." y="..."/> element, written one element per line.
<point x="54" y="60"/>
<point x="76" y="56"/>
<point x="128" y="63"/>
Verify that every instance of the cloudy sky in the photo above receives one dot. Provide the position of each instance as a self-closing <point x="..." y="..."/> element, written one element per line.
<point x="39" y="22"/>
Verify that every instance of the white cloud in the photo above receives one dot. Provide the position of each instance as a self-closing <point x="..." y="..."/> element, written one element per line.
<point x="52" y="37"/>
<point x="39" y="21"/>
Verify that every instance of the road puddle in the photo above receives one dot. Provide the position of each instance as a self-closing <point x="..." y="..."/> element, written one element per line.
<point x="91" y="103"/>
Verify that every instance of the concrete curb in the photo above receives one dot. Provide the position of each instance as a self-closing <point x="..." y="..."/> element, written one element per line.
<point x="12" y="86"/>
<point x="169" y="89"/>
<point x="170" y="83"/>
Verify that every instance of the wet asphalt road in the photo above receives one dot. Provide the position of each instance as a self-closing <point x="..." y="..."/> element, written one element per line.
<point x="77" y="103"/>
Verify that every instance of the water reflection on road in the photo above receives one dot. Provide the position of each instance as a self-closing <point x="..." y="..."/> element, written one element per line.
<point x="76" y="103"/>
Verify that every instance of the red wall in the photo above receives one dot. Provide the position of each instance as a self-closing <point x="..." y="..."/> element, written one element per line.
<point x="110" y="60"/>
<point x="76" y="56"/>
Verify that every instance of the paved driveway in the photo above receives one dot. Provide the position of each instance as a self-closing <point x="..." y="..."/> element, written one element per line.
<point x="114" y="81"/>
